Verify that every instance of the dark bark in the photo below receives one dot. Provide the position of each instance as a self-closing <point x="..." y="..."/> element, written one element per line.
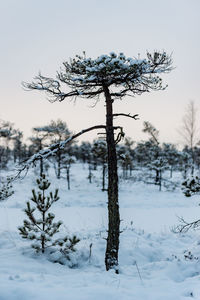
<point x="41" y="160"/>
<point x="171" y="171"/>
<point x="68" y="178"/>
<point x="59" y="163"/>
<point x="193" y="161"/>
<point x="130" y="171"/>
<point x="157" y="177"/>
<point x="90" y="173"/>
<point x="112" y="248"/>
<point x="41" y="167"/>
<point x="103" y="177"/>
<point x="43" y="224"/>
<point x="185" y="172"/>
<point x="160" y="180"/>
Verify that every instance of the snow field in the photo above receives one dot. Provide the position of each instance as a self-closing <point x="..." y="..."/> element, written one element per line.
<point x="152" y="258"/>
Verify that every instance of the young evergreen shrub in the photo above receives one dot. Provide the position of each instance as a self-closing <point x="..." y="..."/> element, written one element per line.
<point x="191" y="186"/>
<point x="42" y="230"/>
<point x="6" y="189"/>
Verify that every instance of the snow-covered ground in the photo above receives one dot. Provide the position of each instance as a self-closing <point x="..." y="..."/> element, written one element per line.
<point x="152" y="258"/>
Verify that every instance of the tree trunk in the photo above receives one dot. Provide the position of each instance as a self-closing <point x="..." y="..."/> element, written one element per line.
<point x="112" y="248"/>
<point x="171" y="171"/>
<point x="41" y="167"/>
<point x="90" y="173"/>
<point x="43" y="223"/>
<point x="103" y="176"/>
<point x="68" y="178"/>
<point x="192" y="167"/>
<point x="59" y="163"/>
<point x="157" y="177"/>
<point x="41" y="161"/>
<point x="160" y="180"/>
<point x="185" y="172"/>
<point x="130" y="171"/>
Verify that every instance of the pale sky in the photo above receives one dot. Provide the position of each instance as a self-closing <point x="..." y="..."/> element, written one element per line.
<point x="38" y="35"/>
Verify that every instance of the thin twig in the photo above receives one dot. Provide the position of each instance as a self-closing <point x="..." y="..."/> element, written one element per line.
<point x="135" y="263"/>
<point x="135" y="117"/>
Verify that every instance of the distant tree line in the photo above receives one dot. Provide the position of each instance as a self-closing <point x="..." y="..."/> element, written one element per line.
<point x="150" y="156"/>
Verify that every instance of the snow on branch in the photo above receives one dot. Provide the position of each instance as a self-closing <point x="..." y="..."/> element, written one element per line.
<point x="52" y="149"/>
<point x="85" y="77"/>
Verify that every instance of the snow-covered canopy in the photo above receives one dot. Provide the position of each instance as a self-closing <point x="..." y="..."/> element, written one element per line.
<point x="87" y="77"/>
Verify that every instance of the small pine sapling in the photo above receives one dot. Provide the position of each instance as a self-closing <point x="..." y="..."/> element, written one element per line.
<point x="67" y="245"/>
<point x="190" y="187"/>
<point x="6" y="189"/>
<point x="43" y="229"/>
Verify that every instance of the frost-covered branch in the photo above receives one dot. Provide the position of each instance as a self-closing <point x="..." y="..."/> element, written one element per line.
<point x="53" y="89"/>
<point x="52" y="149"/>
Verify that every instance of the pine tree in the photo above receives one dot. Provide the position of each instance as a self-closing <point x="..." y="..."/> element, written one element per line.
<point x="99" y="151"/>
<point x="125" y="159"/>
<point x="55" y="132"/>
<point x="43" y="229"/>
<point x="114" y="76"/>
<point x="171" y="154"/>
<point x="67" y="161"/>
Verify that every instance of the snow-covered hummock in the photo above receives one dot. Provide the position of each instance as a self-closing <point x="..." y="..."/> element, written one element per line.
<point x="155" y="264"/>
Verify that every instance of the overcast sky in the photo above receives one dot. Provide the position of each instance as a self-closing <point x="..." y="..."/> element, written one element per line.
<point x="38" y="35"/>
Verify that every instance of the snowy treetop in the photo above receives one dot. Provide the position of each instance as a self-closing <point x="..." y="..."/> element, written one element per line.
<point x="111" y="67"/>
<point x="53" y="127"/>
<point x="7" y="130"/>
<point x="87" y="77"/>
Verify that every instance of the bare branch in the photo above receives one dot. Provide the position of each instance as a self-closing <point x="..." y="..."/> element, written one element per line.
<point x="120" y="136"/>
<point x="53" y="91"/>
<point x="135" y="117"/>
<point x="185" y="226"/>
